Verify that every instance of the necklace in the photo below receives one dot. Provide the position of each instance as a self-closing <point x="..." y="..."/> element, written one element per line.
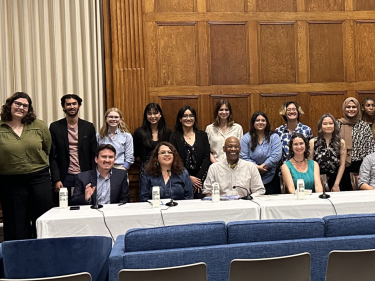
<point x="299" y="161"/>
<point x="189" y="137"/>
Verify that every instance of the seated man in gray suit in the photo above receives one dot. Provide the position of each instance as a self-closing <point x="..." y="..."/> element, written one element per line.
<point x="103" y="185"/>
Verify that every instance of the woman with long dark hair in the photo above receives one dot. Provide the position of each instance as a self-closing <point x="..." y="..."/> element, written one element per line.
<point x="263" y="147"/>
<point x="165" y="169"/>
<point x="329" y="151"/>
<point x="358" y="139"/>
<point x="192" y="146"/>
<point x="153" y="131"/>
<point x="300" y="167"/>
<point x="222" y="128"/>
<point x="368" y="113"/>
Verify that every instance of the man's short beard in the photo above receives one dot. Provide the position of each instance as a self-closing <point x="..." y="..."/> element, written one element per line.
<point x="67" y="113"/>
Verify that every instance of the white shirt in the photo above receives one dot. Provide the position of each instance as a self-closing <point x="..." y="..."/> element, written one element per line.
<point x="245" y="174"/>
<point x="217" y="138"/>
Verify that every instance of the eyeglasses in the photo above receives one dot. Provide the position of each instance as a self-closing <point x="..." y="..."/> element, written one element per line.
<point x="166" y="153"/>
<point x="113" y="117"/>
<point x="186" y="116"/>
<point x="291" y="109"/>
<point x="19" y="104"/>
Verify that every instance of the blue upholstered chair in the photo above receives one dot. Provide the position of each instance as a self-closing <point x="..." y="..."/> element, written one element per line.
<point x="37" y="258"/>
<point x="84" y="276"/>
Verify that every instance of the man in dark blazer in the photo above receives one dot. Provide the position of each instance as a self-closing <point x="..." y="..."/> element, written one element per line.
<point x="103" y="184"/>
<point x="73" y="145"/>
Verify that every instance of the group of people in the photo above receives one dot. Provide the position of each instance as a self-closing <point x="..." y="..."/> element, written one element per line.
<point x="184" y="164"/>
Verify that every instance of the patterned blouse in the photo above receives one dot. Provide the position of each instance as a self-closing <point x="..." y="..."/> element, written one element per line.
<point x="327" y="158"/>
<point x="363" y="143"/>
<point x="285" y="136"/>
<point x="191" y="156"/>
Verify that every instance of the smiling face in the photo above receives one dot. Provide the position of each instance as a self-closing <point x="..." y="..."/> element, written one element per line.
<point x="19" y="108"/>
<point x="188" y="119"/>
<point x="232" y="149"/>
<point x="105" y="160"/>
<point x="351" y="110"/>
<point x="328" y="126"/>
<point x="369" y="108"/>
<point x="298" y="146"/>
<point x="291" y="112"/>
<point x="71" y="107"/>
<point x="223" y="112"/>
<point x="165" y="156"/>
<point x="113" y="119"/>
<point x="260" y="123"/>
<point x="153" y="117"/>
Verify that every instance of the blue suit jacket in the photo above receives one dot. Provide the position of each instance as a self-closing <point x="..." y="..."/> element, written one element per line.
<point x="119" y="187"/>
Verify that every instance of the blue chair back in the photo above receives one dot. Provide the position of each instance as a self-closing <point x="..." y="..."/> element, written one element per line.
<point x="38" y="258"/>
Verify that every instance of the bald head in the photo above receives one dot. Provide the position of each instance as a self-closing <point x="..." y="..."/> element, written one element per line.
<point x="232" y="149"/>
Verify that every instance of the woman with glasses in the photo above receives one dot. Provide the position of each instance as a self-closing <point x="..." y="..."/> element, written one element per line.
<point x="116" y="133"/>
<point x="165" y="169"/>
<point x="153" y="131"/>
<point x="193" y="147"/>
<point x="329" y="151"/>
<point x="222" y="128"/>
<point x="263" y="148"/>
<point x="291" y="113"/>
<point x="368" y="113"/>
<point x="358" y="139"/>
<point x="25" y="188"/>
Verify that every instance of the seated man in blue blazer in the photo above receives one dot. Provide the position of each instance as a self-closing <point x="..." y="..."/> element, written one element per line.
<point x="105" y="184"/>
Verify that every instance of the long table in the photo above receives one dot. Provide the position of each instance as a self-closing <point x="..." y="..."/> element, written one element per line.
<point x="60" y="222"/>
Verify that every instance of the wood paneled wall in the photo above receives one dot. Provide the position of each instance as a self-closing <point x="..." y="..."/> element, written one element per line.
<point x="256" y="53"/>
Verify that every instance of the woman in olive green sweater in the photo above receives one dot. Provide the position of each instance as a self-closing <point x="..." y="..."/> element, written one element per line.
<point x="25" y="186"/>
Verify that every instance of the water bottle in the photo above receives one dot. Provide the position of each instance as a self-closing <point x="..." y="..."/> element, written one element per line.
<point x="300" y="189"/>
<point x="63" y="197"/>
<point x="156" y="196"/>
<point x="215" y="192"/>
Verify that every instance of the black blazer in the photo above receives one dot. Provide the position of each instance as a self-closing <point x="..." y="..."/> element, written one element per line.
<point x="119" y="187"/>
<point x="203" y="150"/>
<point x="59" y="156"/>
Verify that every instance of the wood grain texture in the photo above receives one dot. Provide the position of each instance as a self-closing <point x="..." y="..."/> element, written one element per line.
<point x="325" y="5"/>
<point x="277" y="53"/>
<point x="229" y="54"/>
<point x="172" y="104"/>
<point x="326" y="52"/>
<point x="171" y="6"/>
<point x="276" y="5"/>
<point x="364" y="5"/>
<point x="225" y="5"/>
<point x="365" y="48"/>
<point x="177" y="58"/>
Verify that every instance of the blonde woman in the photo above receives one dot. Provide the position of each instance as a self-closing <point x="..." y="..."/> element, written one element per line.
<point x="116" y="133"/>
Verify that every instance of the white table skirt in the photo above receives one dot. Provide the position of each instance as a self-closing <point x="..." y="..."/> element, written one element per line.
<point x="59" y="222"/>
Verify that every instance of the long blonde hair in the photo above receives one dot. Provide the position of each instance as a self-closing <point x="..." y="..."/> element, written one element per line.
<point x="122" y="125"/>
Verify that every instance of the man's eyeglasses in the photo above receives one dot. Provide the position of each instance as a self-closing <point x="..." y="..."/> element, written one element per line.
<point x="19" y="104"/>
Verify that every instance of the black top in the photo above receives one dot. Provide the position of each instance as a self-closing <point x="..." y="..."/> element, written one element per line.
<point x="140" y="150"/>
<point x="202" y="151"/>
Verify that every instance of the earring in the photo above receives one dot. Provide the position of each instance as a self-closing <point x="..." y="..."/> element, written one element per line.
<point x="157" y="164"/>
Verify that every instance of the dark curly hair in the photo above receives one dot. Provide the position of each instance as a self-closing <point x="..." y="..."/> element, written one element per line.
<point x="70" y="96"/>
<point x="307" y="146"/>
<point x="6" y="114"/>
<point x="153" y="168"/>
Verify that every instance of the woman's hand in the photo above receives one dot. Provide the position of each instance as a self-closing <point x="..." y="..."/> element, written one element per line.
<point x="197" y="184"/>
<point x="335" y="187"/>
<point x="262" y="168"/>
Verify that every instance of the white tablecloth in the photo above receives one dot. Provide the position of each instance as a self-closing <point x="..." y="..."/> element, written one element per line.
<point x="59" y="222"/>
<point x="286" y="206"/>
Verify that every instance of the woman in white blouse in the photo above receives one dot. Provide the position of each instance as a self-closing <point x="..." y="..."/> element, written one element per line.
<point x="222" y="128"/>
